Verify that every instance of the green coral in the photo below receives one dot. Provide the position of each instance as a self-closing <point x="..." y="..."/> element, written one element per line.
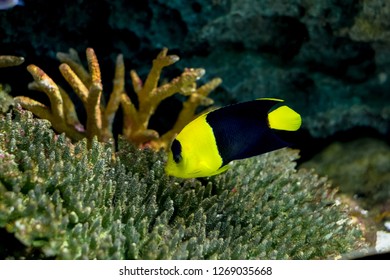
<point x="6" y="101"/>
<point x="61" y="200"/>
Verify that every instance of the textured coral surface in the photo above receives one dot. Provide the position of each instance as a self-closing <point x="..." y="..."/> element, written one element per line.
<point x="361" y="169"/>
<point x="60" y="200"/>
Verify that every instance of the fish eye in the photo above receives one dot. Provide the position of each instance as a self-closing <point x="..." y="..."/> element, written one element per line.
<point x="176" y="151"/>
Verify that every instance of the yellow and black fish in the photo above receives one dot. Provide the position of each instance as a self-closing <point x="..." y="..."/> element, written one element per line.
<point x="207" y="144"/>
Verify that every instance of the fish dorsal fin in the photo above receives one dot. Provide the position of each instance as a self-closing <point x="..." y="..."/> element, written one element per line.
<point x="284" y="118"/>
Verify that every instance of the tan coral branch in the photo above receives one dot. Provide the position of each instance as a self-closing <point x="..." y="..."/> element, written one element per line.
<point x="94" y="111"/>
<point x="199" y="98"/>
<point x="93" y="66"/>
<point x="136" y="81"/>
<point x="132" y="130"/>
<point x="159" y="63"/>
<point x="187" y="114"/>
<point x="48" y="86"/>
<point x="38" y="109"/>
<point x="72" y="59"/>
<point x="10" y="60"/>
<point x="44" y="112"/>
<point x="61" y="113"/>
<point x="150" y="96"/>
<point x="115" y="99"/>
<point x="70" y="111"/>
<point x="94" y="114"/>
<point x="87" y="85"/>
<point x="184" y="84"/>
<point x="75" y="82"/>
<point x="130" y="116"/>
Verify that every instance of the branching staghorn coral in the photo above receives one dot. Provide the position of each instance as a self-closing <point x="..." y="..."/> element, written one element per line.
<point x="5" y="99"/>
<point x="10" y="60"/>
<point x="150" y="95"/>
<point x="64" y="201"/>
<point x="88" y="87"/>
<point x="62" y="113"/>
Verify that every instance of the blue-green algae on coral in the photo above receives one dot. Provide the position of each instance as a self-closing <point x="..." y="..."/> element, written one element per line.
<point x="63" y="201"/>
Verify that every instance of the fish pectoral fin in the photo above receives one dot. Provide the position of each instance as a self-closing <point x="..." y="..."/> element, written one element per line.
<point x="208" y="170"/>
<point x="221" y="169"/>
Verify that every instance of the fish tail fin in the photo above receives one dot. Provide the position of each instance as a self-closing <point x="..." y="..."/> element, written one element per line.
<point x="284" y="118"/>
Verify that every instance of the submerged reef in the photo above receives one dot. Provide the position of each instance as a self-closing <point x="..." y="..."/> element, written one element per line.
<point x="361" y="170"/>
<point x="100" y="117"/>
<point x="69" y="194"/>
<point x="64" y="201"/>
